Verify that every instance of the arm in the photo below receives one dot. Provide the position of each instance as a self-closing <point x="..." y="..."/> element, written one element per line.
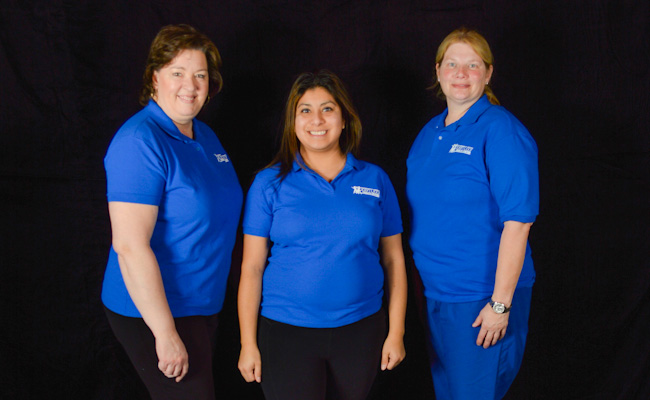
<point x="392" y="260"/>
<point x="132" y="225"/>
<point x="248" y="299"/>
<point x="512" y="251"/>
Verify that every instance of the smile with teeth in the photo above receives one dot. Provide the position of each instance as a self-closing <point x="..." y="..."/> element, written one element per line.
<point x="317" y="133"/>
<point x="187" y="99"/>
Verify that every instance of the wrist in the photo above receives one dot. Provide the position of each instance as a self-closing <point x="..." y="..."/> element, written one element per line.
<point x="498" y="307"/>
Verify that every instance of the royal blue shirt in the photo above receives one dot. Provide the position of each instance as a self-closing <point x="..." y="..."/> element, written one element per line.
<point x="199" y="202"/>
<point x="323" y="270"/>
<point x="463" y="182"/>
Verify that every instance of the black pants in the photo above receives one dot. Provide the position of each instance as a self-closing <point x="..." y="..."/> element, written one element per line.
<point x="199" y="336"/>
<point x="320" y="363"/>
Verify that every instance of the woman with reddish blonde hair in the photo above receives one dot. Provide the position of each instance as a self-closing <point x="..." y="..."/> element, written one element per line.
<point x="472" y="188"/>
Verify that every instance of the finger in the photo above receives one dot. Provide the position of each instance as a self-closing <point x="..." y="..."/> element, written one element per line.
<point x="481" y="337"/>
<point x="477" y="322"/>
<point x="384" y="360"/>
<point x="258" y="373"/>
<point x="496" y="337"/>
<point x="394" y="362"/>
<point x="249" y="374"/>
<point x="184" y="371"/>
<point x="167" y="369"/>
<point x="490" y="339"/>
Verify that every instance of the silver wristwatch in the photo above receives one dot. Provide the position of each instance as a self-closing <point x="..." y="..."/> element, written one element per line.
<point x="499" y="308"/>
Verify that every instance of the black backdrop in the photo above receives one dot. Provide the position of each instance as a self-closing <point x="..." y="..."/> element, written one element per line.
<point x="574" y="72"/>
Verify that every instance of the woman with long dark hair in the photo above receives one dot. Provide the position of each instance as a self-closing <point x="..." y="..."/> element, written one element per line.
<point x="311" y="317"/>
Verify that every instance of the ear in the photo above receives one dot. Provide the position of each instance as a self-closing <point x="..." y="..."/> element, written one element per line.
<point x="488" y="75"/>
<point x="154" y="79"/>
<point x="438" y="71"/>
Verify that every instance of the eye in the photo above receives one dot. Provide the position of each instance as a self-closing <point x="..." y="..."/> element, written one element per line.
<point x="328" y="108"/>
<point x="473" y="66"/>
<point x="304" y="110"/>
<point x="176" y="74"/>
<point x="451" y="64"/>
<point x="201" y="76"/>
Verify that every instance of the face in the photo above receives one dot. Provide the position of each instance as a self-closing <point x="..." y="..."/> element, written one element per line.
<point x="462" y="74"/>
<point x="182" y="87"/>
<point x="319" y="122"/>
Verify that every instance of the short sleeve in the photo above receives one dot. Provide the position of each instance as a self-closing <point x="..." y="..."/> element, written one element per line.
<point x="258" y="212"/>
<point x="511" y="158"/>
<point x="392" y="216"/>
<point x="134" y="171"/>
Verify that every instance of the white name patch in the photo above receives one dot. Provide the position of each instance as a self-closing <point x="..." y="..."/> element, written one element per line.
<point x="222" y="157"/>
<point x="366" y="191"/>
<point x="459" y="148"/>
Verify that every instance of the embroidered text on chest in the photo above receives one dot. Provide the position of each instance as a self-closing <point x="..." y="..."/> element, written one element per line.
<point x="222" y="158"/>
<point x="459" y="148"/>
<point x="365" y="190"/>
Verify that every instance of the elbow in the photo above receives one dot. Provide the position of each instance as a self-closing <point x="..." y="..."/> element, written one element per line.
<point x="125" y="248"/>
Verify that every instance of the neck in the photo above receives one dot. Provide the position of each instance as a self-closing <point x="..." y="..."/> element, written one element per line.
<point x="328" y="164"/>
<point x="455" y="112"/>
<point x="186" y="129"/>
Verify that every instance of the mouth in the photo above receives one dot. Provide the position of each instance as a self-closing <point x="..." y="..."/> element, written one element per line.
<point x="317" y="133"/>
<point x="187" y="99"/>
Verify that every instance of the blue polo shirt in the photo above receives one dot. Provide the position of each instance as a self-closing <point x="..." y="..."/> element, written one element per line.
<point x="199" y="202"/>
<point x="463" y="182"/>
<point x="323" y="270"/>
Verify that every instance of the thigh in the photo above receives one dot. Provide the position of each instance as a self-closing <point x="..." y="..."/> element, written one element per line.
<point x="293" y="363"/>
<point x="355" y="356"/>
<point x="197" y="333"/>
<point x="463" y="370"/>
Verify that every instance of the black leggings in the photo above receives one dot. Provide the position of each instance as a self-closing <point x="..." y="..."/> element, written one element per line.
<point x="199" y="336"/>
<point x="320" y="363"/>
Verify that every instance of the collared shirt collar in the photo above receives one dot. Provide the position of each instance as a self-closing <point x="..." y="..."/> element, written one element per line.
<point x="166" y="123"/>
<point x="472" y="115"/>
<point x="350" y="163"/>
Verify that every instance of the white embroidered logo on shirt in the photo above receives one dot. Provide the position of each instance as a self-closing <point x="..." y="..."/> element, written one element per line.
<point x="459" y="148"/>
<point x="365" y="190"/>
<point x="222" y="158"/>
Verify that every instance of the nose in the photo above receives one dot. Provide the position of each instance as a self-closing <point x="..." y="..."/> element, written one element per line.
<point x="190" y="82"/>
<point x="461" y="71"/>
<point x="318" y="117"/>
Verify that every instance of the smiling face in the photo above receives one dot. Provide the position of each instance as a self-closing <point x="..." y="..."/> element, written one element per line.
<point x="462" y="75"/>
<point x="182" y="87"/>
<point x="319" y="122"/>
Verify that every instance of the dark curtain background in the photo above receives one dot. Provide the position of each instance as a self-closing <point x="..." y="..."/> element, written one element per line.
<point x="574" y="72"/>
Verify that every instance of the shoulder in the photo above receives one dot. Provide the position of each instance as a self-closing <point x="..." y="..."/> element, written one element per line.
<point x="267" y="177"/>
<point x="369" y="168"/>
<point x="501" y="123"/>
<point x="372" y="173"/>
<point x="500" y="116"/>
<point x="140" y="126"/>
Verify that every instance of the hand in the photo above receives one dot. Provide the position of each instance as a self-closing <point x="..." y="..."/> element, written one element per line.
<point x="250" y="364"/>
<point x="392" y="353"/>
<point x="493" y="326"/>
<point x="173" y="360"/>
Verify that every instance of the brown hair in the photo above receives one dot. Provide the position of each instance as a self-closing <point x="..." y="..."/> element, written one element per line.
<point x="350" y="137"/>
<point x="170" y="41"/>
<point x="478" y="44"/>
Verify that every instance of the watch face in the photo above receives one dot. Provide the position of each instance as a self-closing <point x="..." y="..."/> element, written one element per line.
<point x="499" y="308"/>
